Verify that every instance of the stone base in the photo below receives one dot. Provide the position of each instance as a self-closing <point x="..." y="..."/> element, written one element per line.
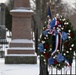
<point x="21" y="59"/>
<point x="2" y="54"/>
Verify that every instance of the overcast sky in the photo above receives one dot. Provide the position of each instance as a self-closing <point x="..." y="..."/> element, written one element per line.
<point x="70" y="2"/>
<point x="3" y="1"/>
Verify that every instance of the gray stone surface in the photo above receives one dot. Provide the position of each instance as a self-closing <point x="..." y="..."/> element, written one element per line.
<point x="20" y="60"/>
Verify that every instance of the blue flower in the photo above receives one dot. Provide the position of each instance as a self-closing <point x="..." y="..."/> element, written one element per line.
<point x="50" y="61"/>
<point x="41" y="47"/>
<point x="64" y="36"/>
<point x="60" y="58"/>
<point x="45" y="32"/>
<point x="52" y="23"/>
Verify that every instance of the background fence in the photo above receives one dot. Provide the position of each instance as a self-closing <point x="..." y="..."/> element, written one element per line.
<point x="70" y="71"/>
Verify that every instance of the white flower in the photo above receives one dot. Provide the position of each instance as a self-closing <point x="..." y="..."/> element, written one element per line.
<point x="50" y="49"/>
<point x="44" y="52"/>
<point x="64" y="54"/>
<point x="41" y="55"/>
<point x="61" y="16"/>
<point x="62" y="28"/>
<point x="40" y="35"/>
<point x="49" y="20"/>
<point x="72" y="45"/>
<point x="69" y="31"/>
<point x="64" y="19"/>
<point x="54" y="57"/>
<point x="70" y="48"/>
<point x="58" y="29"/>
<point x="57" y="50"/>
<point x="67" y="51"/>
<point x="67" y="23"/>
<point x="46" y="35"/>
<point x="69" y="37"/>
<point x="57" y="15"/>
<point x="59" y="64"/>
<point x="43" y="41"/>
<point x="44" y="60"/>
<point x="38" y="39"/>
<point x="43" y="27"/>
<point x="45" y="22"/>
<point x="44" y="49"/>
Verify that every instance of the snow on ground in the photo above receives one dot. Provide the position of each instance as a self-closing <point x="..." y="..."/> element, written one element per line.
<point x="18" y="69"/>
<point x="28" y="69"/>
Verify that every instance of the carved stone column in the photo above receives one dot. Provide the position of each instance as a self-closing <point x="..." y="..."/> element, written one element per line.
<point x="22" y="48"/>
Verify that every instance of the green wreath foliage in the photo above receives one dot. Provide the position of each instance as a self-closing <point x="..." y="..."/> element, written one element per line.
<point x="67" y="46"/>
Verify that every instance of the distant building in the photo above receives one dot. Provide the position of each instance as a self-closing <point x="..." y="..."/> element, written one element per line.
<point x="2" y="21"/>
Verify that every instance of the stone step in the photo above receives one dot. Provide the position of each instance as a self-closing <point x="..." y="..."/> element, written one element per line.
<point x="21" y="55"/>
<point x="21" y="50"/>
<point x="21" y="44"/>
<point x="20" y="59"/>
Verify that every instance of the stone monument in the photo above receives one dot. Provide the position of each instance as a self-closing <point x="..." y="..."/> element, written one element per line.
<point x="2" y="22"/>
<point x="21" y="50"/>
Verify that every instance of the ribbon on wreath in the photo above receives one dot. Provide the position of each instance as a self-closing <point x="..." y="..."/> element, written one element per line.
<point x="67" y="64"/>
<point x="58" y="36"/>
<point x="56" y="32"/>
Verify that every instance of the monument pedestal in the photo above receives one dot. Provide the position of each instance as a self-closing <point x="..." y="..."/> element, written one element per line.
<point x="22" y="50"/>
